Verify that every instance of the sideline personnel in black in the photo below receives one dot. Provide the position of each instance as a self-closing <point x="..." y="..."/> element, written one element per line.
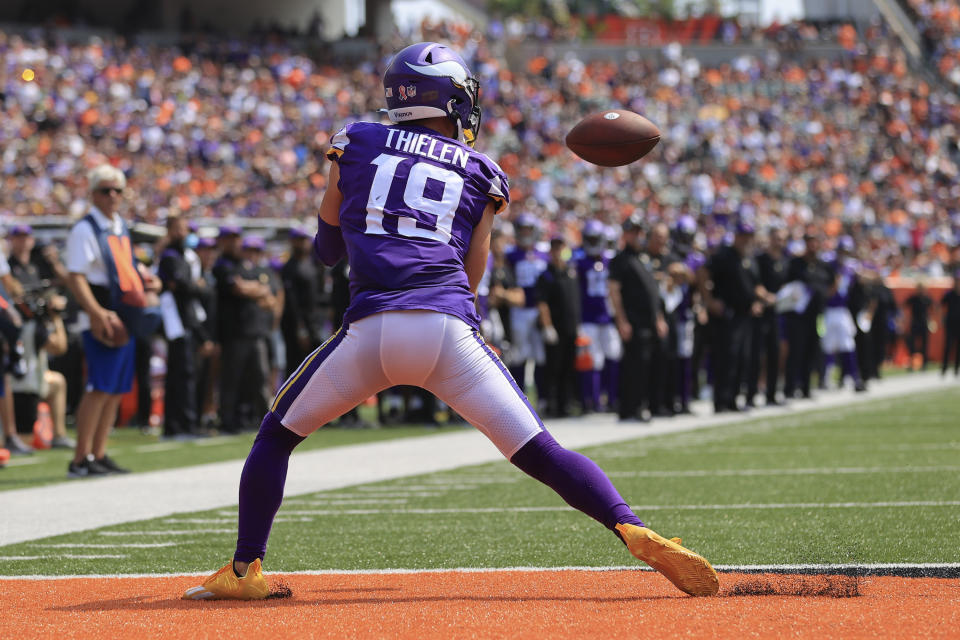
<point x="731" y="299"/>
<point x="181" y="281"/>
<point x="801" y="326"/>
<point x="302" y="321"/>
<point x="772" y="271"/>
<point x="237" y="299"/>
<point x="558" y="292"/>
<point x="950" y="305"/>
<point x="635" y="299"/>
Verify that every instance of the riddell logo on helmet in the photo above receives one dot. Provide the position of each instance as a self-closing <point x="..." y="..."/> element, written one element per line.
<point x="402" y="114"/>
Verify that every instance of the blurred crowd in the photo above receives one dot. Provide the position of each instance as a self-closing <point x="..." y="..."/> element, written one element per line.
<point x="939" y="26"/>
<point x="857" y="145"/>
<point x="829" y="175"/>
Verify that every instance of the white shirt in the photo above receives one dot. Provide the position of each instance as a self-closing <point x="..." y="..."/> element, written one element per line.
<point x="83" y="248"/>
<point x="4" y="265"/>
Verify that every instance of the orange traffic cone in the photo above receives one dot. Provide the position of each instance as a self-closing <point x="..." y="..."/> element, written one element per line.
<point x="43" y="427"/>
<point x="4" y="456"/>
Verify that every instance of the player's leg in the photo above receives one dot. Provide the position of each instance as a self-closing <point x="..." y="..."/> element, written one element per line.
<point x="337" y="376"/>
<point x="470" y="378"/>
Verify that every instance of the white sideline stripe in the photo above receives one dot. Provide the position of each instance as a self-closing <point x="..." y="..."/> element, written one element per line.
<point x="226" y="520"/>
<point x="158" y="446"/>
<point x="635" y="567"/>
<point x="115" y="545"/>
<point x="114" y="500"/>
<point x="22" y="462"/>
<point x="169" y="532"/>
<point x="211" y="442"/>
<point x="642" y="507"/>
<point x="815" y="471"/>
<point x="69" y="556"/>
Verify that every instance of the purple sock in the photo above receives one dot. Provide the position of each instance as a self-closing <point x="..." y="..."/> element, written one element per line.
<point x="611" y="381"/>
<point x="261" y="486"/>
<point x="595" y="385"/>
<point x="849" y="362"/>
<point x="576" y="478"/>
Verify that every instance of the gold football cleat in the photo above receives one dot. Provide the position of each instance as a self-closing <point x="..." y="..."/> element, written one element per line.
<point x="688" y="571"/>
<point x="225" y="585"/>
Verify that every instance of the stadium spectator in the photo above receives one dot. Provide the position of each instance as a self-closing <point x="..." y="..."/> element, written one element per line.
<point x="43" y="334"/>
<point x="766" y="338"/>
<point x="302" y="322"/>
<point x="635" y="299"/>
<point x="732" y="297"/>
<point x="811" y="278"/>
<point x="918" y="335"/>
<point x="242" y="354"/>
<point x="99" y="281"/>
<point x="558" y="304"/>
<point x="950" y="307"/>
<point x="208" y="355"/>
<point x="179" y="269"/>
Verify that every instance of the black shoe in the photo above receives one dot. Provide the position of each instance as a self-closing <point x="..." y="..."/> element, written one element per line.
<point x="17" y="446"/>
<point x="107" y="463"/>
<point x="860" y="387"/>
<point x="96" y="467"/>
<point x="776" y="403"/>
<point x="77" y="469"/>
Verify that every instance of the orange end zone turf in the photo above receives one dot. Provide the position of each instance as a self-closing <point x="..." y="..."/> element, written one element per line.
<point x="567" y="604"/>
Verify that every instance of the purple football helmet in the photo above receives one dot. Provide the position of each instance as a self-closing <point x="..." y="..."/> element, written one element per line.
<point x="593" y="237"/>
<point x="427" y="80"/>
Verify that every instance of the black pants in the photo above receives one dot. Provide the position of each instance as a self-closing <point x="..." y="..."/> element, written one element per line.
<point x="803" y="345"/>
<point x="179" y="400"/>
<point x="144" y="351"/>
<point x="917" y="341"/>
<point x="635" y="373"/>
<point x="951" y="342"/>
<point x="731" y="353"/>
<point x="560" y="375"/>
<point x="244" y="364"/>
<point x="766" y="353"/>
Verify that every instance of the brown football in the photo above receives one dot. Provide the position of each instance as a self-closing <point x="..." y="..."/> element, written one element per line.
<point x="613" y="138"/>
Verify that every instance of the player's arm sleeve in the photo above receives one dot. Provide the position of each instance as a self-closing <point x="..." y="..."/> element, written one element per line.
<point x="339" y="144"/>
<point x="328" y="244"/>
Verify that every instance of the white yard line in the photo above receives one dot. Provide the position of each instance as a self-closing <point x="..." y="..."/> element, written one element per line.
<point x="166" y="532"/>
<point x="640" y="508"/>
<point x="114" y="545"/>
<point x="68" y="556"/>
<point x="23" y="462"/>
<point x="157" y="446"/>
<point x="891" y="567"/>
<point x="817" y="471"/>
<point x="93" y="503"/>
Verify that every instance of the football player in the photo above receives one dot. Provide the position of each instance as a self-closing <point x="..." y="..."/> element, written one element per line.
<point x="411" y="204"/>
<point x="605" y="348"/>
<point x="528" y="263"/>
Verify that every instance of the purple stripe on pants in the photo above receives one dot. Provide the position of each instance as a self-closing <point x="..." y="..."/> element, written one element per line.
<point x="295" y="384"/>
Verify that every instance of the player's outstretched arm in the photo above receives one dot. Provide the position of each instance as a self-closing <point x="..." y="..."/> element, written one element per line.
<point x="476" y="260"/>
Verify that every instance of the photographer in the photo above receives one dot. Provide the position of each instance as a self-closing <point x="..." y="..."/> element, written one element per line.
<point x="43" y="335"/>
<point x="10" y="323"/>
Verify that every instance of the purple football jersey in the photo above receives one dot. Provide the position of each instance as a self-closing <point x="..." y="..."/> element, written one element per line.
<point x="411" y="200"/>
<point x="593" y="272"/>
<point x="846" y="275"/>
<point x="528" y="264"/>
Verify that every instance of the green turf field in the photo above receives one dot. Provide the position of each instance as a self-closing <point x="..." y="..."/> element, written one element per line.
<point x="877" y="482"/>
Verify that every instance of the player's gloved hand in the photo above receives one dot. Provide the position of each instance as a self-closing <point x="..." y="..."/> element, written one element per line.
<point x="550" y="335"/>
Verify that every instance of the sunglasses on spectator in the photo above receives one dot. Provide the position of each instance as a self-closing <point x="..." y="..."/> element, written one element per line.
<point x="108" y="190"/>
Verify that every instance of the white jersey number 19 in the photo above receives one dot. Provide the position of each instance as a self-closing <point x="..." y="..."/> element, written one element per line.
<point x="442" y="211"/>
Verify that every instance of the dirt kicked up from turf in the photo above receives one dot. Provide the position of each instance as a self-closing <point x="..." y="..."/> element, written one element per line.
<point x="548" y="604"/>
